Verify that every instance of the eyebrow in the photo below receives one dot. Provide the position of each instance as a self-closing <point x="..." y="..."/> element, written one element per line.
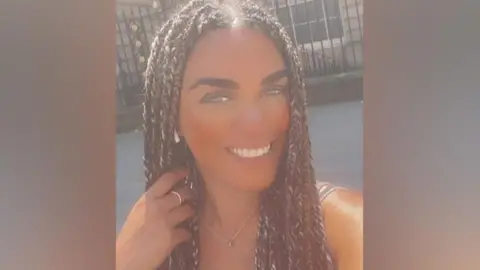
<point x="215" y="82"/>
<point x="231" y="84"/>
<point x="275" y="77"/>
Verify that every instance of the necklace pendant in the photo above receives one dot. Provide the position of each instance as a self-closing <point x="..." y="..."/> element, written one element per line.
<point x="230" y="243"/>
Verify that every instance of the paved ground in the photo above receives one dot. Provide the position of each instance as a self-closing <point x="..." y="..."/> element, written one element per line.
<point x="336" y="134"/>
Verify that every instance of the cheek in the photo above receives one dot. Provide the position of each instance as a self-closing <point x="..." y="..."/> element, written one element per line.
<point x="209" y="127"/>
<point x="286" y="116"/>
<point x="201" y="127"/>
<point x="278" y="113"/>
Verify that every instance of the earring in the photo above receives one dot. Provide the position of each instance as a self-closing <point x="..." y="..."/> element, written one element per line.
<point x="176" y="137"/>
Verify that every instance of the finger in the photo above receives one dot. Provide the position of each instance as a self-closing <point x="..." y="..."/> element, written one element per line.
<point x="179" y="215"/>
<point x="180" y="236"/>
<point x="163" y="205"/>
<point x="172" y="200"/>
<point x="165" y="183"/>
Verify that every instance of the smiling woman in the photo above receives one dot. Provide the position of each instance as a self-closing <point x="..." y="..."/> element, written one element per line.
<point x="236" y="117"/>
<point x="227" y="154"/>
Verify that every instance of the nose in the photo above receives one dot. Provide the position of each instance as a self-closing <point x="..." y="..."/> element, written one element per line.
<point x="251" y="120"/>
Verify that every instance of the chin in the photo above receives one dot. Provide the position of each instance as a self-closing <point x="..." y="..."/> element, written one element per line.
<point x="254" y="183"/>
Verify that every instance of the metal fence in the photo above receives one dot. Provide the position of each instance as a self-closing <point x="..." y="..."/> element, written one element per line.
<point x="328" y="35"/>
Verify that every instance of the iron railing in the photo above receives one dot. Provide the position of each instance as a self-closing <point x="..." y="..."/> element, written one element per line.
<point x="328" y="35"/>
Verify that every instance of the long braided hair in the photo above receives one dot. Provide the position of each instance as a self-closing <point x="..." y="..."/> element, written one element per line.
<point x="292" y="238"/>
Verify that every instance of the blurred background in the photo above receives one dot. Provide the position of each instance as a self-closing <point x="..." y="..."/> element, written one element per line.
<point x="329" y="38"/>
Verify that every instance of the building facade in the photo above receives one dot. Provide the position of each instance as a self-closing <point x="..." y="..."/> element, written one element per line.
<point x="328" y="35"/>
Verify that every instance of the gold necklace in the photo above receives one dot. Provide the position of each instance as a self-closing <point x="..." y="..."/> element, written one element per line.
<point x="230" y="241"/>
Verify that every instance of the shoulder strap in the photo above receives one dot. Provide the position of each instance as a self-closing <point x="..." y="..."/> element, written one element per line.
<point x="324" y="189"/>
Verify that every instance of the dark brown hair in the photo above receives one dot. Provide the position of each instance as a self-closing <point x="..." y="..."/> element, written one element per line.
<point x="291" y="232"/>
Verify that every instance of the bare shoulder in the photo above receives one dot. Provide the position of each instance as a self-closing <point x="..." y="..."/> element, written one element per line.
<point x="343" y="215"/>
<point x="345" y="204"/>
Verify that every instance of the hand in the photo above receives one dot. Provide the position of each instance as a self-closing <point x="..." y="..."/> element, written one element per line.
<point x="150" y="232"/>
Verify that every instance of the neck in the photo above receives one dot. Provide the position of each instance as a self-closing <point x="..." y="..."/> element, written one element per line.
<point x="228" y="208"/>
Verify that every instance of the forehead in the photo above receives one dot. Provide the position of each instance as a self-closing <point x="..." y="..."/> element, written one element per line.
<point x="233" y="53"/>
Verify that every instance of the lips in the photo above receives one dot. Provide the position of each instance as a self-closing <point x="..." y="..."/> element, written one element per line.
<point x="251" y="152"/>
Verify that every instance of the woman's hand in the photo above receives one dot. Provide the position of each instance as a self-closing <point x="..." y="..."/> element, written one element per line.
<point x="150" y="232"/>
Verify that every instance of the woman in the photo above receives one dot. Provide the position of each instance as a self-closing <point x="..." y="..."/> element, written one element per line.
<point x="227" y="154"/>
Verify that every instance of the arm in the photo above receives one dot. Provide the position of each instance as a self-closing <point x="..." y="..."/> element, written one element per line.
<point x="343" y="215"/>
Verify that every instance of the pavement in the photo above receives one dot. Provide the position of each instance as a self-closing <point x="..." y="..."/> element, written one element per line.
<point x="336" y="134"/>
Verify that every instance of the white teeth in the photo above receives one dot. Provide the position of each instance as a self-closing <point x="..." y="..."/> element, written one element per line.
<point x="251" y="153"/>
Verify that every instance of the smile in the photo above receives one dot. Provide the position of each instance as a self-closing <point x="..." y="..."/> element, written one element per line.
<point x="250" y="152"/>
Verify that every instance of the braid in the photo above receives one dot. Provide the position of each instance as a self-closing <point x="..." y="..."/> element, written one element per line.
<point x="292" y="239"/>
<point x="152" y="96"/>
<point x="310" y="223"/>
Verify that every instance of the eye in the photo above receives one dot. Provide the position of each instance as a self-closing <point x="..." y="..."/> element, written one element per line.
<point x="216" y="97"/>
<point x="275" y="90"/>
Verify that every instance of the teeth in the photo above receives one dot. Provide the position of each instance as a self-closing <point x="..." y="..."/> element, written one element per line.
<point x="251" y="153"/>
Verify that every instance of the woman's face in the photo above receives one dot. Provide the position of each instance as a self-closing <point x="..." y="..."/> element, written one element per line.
<point x="234" y="112"/>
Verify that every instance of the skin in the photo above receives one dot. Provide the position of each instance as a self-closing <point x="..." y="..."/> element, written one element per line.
<point x="248" y="113"/>
<point x="343" y="216"/>
<point x="246" y="109"/>
<point x="240" y="104"/>
<point x="233" y="97"/>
